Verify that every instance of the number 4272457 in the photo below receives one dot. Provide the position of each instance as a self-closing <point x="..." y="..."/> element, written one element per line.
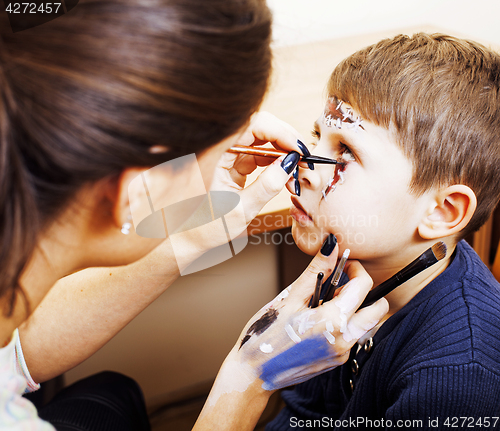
<point x="33" y="8"/>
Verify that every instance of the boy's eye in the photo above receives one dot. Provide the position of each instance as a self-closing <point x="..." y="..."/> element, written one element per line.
<point x="316" y="135"/>
<point x="347" y="154"/>
<point x="344" y="151"/>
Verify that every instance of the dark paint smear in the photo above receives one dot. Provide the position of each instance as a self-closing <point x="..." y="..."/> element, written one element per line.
<point x="259" y="326"/>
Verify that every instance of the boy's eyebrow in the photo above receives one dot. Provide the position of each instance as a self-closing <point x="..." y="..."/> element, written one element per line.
<point x="334" y="115"/>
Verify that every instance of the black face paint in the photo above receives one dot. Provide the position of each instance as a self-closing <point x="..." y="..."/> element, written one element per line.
<point x="259" y="326"/>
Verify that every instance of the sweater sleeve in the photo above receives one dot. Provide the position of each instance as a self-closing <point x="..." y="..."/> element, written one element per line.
<point x="451" y="394"/>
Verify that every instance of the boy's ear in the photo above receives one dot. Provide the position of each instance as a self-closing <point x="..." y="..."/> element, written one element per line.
<point x="450" y="211"/>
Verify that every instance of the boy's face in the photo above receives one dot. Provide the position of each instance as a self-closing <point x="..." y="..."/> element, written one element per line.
<point x="372" y="213"/>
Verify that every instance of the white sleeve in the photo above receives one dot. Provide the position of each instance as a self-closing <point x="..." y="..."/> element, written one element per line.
<point x="16" y="412"/>
<point x="22" y="368"/>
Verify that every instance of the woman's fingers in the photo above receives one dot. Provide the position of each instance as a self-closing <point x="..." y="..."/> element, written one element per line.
<point x="265" y="127"/>
<point x="365" y="320"/>
<point x="233" y="169"/>
<point x="324" y="261"/>
<point x="353" y="293"/>
<point x="268" y="184"/>
<point x="288" y="343"/>
<point x="343" y="308"/>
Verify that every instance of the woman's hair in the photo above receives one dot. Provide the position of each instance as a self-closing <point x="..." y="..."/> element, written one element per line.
<point x="88" y="94"/>
<point x="441" y="97"/>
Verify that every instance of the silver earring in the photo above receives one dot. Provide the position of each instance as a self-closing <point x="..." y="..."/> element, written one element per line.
<point x="126" y="228"/>
<point x="127" y="225"/>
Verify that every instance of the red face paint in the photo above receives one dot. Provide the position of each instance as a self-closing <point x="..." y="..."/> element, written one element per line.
<point x="337" y="175"/>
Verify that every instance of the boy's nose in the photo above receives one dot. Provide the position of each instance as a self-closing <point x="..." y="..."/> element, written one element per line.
<point x="313" y="179"/>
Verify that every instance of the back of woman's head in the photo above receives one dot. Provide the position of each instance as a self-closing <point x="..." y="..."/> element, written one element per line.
<point x="88" y="94"/>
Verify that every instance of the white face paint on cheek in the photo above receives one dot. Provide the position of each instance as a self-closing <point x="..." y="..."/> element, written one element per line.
<point x="338" y="177"/>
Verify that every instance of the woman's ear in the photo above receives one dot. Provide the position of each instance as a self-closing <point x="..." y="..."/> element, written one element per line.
<point x="119" y="196"/>
<point x="450" y="211"/>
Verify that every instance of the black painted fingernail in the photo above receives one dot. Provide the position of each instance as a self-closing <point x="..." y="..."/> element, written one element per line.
<point x="296" y="173"/>
<point x="290" y="162"/>
<point x="306" y="153"/>
<point x="329" y="245"/>
<point x="297" y="187"/>
<point x="303" y="148"/>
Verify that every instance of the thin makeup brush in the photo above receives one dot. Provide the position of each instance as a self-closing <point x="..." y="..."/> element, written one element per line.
<point x="269" y="152"/>
<point x="317" y="290"/>
<point x="424" y="261"/>
<point x="336" y="277"/>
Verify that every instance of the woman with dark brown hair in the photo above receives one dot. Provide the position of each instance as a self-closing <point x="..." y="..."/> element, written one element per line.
<point x="88" y="102"/>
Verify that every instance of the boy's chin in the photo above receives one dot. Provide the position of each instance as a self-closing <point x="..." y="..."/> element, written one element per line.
<point x="307" y="247"/>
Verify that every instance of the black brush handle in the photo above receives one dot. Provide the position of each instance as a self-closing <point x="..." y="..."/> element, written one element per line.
<point x="315" y="298"/>
<point x="424" y="261"/>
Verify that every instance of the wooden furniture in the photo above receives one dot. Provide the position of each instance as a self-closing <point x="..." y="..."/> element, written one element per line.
<point x="496" y="264"/>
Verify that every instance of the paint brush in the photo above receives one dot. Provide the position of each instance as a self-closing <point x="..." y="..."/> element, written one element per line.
<point x="315" y="299"/>
<point x="424" y="261"/>
<point x="269" y="152"/>
<point x="336" y="277"/>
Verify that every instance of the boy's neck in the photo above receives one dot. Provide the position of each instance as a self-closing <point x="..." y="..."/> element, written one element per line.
<point x="400" y="296"/>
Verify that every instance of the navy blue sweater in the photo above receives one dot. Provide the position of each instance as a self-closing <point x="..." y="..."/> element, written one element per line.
<point x="437" y="358"/>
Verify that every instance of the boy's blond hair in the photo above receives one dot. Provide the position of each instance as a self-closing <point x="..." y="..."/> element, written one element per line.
<point x="440" y="96"/>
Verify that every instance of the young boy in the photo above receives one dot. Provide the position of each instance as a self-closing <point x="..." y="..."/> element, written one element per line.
<point x="417" y="122"/>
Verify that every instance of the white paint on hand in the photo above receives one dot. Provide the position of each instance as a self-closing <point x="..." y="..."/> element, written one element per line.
<point x="303" y="321"/>
<point x="284" y="293"/>
<point x="329" y="326"/>
<point x="349" y="298"/>
<point x="343" y="323"/>
<point x="266" y="348"/>
<point x="291" y="333"/>
<point x="329" y="337"/>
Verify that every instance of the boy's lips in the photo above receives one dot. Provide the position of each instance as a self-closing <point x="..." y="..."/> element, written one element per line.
<point x="298" y="213"/>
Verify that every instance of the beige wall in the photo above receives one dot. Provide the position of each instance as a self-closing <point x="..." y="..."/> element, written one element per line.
<point x="182" y="338"/>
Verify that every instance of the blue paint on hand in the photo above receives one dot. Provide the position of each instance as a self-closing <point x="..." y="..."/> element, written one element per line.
<point x="302" y="354"/>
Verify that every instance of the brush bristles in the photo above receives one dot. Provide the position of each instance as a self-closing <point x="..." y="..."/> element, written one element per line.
<point x="439" y="250"/>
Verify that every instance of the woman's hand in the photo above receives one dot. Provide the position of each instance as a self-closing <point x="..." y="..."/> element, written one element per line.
<point x="228" y="195"/>
<point x="287" y="343"/>
<point x="232" y="170"/>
